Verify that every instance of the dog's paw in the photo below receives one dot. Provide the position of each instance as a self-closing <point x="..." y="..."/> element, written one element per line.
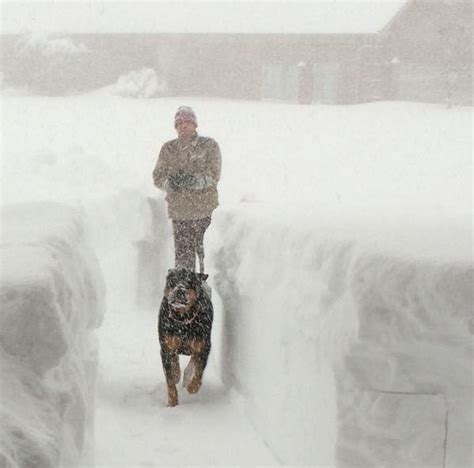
<point x="194" y="385"/>
<point x="172" y="402"/>
<point x="172" y="396"/>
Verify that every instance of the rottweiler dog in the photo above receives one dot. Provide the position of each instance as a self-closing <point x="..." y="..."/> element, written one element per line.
<point x="184" y="327"/>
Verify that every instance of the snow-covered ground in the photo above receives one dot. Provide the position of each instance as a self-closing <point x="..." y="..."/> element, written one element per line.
<point x="341" y="264"/>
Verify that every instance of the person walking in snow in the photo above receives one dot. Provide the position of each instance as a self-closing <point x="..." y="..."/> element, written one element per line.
<point x="188" y="170"/>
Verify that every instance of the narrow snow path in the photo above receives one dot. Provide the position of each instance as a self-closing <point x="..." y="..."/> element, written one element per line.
<point x="133" y="425"/>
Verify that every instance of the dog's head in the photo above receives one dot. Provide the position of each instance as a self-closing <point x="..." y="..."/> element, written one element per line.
<point x="183" y="289"/>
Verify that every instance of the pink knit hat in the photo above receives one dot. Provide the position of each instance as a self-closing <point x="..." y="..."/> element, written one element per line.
<point x="185" y="114"/>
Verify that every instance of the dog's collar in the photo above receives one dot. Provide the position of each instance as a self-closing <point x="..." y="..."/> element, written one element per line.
<point x="187" y="321"/>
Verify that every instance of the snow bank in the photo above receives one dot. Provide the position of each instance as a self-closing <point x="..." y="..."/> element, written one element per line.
<point x="51" y="294"/>
<point x="142" y="83"/>
<point x="46" y="64"/>
<point x="42" y="44"/>
<point x="347" y="354"/>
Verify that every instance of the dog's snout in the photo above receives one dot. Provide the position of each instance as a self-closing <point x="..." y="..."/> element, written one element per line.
<point x="180" y="293"/>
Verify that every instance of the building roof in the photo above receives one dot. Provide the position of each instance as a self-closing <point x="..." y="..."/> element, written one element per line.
<point x="225" y="16"/>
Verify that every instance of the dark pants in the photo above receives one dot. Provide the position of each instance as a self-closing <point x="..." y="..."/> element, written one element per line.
<point x="189" y="241"/>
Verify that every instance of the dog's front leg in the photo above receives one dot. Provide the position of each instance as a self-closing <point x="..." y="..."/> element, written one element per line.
<point x="172" y="395"/>
<point x="200" y="361"/>
<point x="170" y="362"/>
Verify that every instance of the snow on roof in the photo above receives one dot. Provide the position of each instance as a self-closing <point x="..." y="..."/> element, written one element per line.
<point x="258" y="17"/>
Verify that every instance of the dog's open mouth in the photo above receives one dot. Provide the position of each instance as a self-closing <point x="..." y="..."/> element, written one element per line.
<point x="178" y="305"/>
<point x="178" y="299"/>
<point x="182" y="312"/>
<point x="182" y="300"/>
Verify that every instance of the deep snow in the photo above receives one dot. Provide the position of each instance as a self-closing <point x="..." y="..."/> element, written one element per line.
<point x="52" y="297"/>
<point x="375" y="350"/>
<point x="397" y="175"/>
<point x="314" y="201"/>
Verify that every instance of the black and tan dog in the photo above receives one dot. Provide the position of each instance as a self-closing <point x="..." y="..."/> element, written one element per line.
<point x="184" y="327"/>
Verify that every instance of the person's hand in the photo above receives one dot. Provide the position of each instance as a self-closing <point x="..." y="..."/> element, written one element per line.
<point x="203" y="182"/>
<point x="180" y="181"/>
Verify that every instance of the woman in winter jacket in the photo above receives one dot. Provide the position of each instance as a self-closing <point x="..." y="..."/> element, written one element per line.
<point x="188" y="170"/>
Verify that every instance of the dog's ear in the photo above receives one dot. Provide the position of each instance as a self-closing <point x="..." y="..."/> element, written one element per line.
<point x="203" y="276"/>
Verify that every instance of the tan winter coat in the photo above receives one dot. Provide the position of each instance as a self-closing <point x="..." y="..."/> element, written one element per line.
<point x="200" y="158"/>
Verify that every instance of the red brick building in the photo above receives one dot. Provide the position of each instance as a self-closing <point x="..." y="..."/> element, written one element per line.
<point x="334" y="52"/>
<point x="431" y="44"/>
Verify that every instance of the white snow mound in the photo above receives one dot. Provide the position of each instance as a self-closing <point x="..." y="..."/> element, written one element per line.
<point x="347" y="355"/>
<point x="143" y="83"/>
<point x="51" y="294"/>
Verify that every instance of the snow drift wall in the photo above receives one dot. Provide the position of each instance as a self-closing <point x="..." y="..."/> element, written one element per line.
<point x="346" y="356"/>
<point x="51" y="294"/>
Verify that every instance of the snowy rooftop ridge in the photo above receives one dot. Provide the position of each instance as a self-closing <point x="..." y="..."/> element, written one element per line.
<point x="237" y="17"/>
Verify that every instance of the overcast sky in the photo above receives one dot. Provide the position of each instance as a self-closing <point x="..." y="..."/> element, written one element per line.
<point x="316" y="16"/>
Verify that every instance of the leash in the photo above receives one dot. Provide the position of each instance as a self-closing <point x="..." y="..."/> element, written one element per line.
<point x="200" y="253"/>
